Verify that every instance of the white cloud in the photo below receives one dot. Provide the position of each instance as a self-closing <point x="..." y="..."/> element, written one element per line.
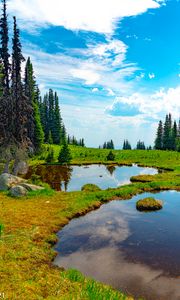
<point x="95" y="90"/>
<point x="153" y="106"/>
<point x="151" y="75"/>
<point x="89" y="76"/>
<point x="110" y="92"/>
<point x="95" y="65"/>
<point x="91" y="15"/>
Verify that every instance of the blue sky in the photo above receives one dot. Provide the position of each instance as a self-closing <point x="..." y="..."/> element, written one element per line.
<point x="114" y="63"/>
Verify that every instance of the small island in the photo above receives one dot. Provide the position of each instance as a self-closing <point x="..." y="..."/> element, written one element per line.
<point x="149" y="204"/>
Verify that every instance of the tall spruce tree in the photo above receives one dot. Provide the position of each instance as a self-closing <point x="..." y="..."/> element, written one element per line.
<point x="38" y="130"/>
<point x="5" y="101"/>
<point x="167" y="133"/>
<point x="57" y="121"/>
<point x="4" y="52"/>
<point x="174" y="136"/>
<point x="159" y="137"/>
<point x="19" y="100"/>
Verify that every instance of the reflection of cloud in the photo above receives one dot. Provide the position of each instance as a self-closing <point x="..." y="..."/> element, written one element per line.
<point x="109" y="266"/>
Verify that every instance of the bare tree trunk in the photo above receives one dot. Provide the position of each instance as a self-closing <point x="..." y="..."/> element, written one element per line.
<point x="6" y="167"/>
<point x="15" y="167"/>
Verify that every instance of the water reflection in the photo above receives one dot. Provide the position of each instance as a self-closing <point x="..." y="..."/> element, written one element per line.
<point x="132" y="251"/>
<point x="58" y="177"/>
<point x="73" y="178"/>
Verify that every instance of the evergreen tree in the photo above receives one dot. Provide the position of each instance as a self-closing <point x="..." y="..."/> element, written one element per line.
<point x="51" y="115"/>
<point x="6" y="109"/>
<point x="140" y="145"/>
<point x="20" y="107"/>
<point x="65" y="154"/>
<point x="57" y="121"/>
<point x="167" y="133"/>
<point x="63" y="134"/>
<point x="126" y="145"/>
<point x="174" y="136"/>
<point x="159" y="137"/>
<point x="50" y="139"/>
<point x="111" y="156"/>
<point x="4" y="52"/>
<point x="38" y="131"/>
<point x="44" y="112"/>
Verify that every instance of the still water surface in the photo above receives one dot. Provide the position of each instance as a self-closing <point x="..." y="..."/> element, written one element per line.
<point x="138" y="253"/>
<point x="74" y="177"/>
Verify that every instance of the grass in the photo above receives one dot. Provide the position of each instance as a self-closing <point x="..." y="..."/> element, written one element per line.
<point x="31" y="223"/>
<point x="169" y="160"/>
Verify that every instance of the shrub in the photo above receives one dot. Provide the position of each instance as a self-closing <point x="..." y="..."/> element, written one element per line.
<point x="111" y="156"/>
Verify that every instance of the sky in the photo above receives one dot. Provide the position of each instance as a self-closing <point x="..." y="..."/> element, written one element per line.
<point x="115" y="64"/>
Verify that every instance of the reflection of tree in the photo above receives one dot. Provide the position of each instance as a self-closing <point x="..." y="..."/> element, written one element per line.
<point x="57" y="177"/>
<point x="111" y="169"/>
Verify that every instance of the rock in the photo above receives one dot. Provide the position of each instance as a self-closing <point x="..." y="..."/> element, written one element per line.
<point x="31" y="187"/>
<point x="149" y="204"/>
<point x="7" y="181"/>
<point x="18" y="191"/>
<point x="22" y="168"/>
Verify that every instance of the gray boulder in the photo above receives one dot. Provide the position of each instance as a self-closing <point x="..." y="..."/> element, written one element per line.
<point x="31" y="187"/>
<point x="7" y="181"/>
<point x="18" y="191"/>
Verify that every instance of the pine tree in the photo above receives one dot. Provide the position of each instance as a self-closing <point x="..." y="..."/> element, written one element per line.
<point x="44" y="112"/>
<point x="4" y="52"/>
<point x="111" y="156"/>
<point x="51" y="113"/>
<point x="38" y="130"/>
<point x="63" y="134"/>
<point x="167" y="133"/>
<point x="57" y="121"/>
<point x="159" y="137"/>
<point x="29" y="89"/>
<point x="65" y="154"/>
<point x="6" y="109"/>
<point x="19" y="101"/>
<point x="50" y="139"/>
<point x="174" y="136"/>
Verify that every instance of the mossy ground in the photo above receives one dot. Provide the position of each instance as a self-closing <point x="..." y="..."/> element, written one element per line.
<point x="149" y="204"/>
<point x="30" y="225"/>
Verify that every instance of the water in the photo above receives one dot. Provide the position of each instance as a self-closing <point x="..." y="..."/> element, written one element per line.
<point x="73" y="178"/>
<point x="138" y="253"/>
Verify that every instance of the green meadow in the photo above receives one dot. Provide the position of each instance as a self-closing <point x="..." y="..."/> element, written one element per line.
<point x="29" y="226"/>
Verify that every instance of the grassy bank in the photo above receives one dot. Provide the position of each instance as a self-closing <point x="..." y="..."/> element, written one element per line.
<point x="30" y="225"/>
<point x="162" y="159"/>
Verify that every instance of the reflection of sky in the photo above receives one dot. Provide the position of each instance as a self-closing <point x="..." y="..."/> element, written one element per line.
<point x="100" y="176"/>
<point x="133" y="251"/>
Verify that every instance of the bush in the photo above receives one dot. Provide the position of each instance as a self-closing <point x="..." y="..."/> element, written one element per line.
<point x="111" y="156"/>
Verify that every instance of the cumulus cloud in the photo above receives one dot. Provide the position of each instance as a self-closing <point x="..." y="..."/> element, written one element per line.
<point x="91" y="15"/>
<point x="152" y="106"/>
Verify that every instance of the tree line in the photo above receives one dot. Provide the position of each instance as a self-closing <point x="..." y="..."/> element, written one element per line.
<point x="168" y="135"/>
<point x="26" y="119"/>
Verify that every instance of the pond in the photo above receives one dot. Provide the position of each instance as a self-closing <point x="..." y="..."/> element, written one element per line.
<point x="138" y="253"/>
<point x="73" y="178"/>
